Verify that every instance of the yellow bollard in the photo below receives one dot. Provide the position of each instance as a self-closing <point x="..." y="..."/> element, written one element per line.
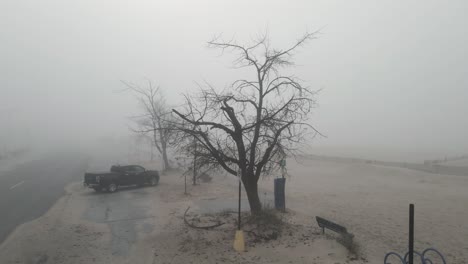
<point x="239" y="244"/>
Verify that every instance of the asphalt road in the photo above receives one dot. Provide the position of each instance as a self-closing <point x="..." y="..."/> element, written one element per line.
<point x="30" y="189"/>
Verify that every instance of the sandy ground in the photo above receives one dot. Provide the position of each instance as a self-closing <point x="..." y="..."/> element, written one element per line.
<point x="146" y="225"/>
<point x="372" y="202"/>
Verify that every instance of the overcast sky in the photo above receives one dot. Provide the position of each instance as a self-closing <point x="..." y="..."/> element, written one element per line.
<point x="394" y="74"/>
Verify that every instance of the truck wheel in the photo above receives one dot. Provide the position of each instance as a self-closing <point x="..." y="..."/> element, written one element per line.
<point x="112" y="187"/>
<point x="154" y="181"/>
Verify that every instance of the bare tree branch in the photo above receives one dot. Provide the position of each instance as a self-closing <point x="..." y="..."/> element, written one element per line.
<point x="252" y="126"/>
<point x="156" y="119"/>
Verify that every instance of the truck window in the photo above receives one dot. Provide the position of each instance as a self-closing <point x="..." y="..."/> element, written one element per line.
<point x="138" y="169"/>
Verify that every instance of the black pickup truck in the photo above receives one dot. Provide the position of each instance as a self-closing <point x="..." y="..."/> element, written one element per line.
<point x="120" y="176"/>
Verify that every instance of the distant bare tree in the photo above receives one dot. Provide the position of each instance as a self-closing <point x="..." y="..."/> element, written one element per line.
<point x="252" y="125"/>
<point x="156" y="119"/>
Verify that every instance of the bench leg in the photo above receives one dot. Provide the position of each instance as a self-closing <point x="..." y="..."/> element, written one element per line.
<point x="347" y="240"/>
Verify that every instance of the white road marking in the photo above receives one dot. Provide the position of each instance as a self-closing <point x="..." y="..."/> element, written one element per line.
<point x="16" y="185"/>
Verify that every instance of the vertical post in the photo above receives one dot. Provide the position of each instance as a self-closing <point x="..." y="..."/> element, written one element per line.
<point x="194" y="161"/>
<point x="151" y="149"/>
<point x="284" y="183"/>
<point x="185" y="183"/>
<point x="239" y="213"/>
<point x="411" y="233"/>
<point x="239" y="242"/>
<point x="194" y="175"/>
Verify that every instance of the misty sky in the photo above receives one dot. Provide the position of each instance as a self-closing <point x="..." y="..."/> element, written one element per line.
<point x="394" y="74"/>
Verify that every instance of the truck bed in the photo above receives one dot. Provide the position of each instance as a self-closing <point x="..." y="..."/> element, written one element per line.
<point x="90" y="177"/>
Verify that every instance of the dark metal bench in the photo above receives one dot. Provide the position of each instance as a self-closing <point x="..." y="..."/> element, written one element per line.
<point x="346" y="237"/>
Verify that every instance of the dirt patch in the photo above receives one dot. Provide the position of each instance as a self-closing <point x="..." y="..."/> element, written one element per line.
<point x="271" y="237"/>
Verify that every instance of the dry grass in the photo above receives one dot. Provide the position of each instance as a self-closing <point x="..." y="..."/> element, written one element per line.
<point x="264" y="226"/>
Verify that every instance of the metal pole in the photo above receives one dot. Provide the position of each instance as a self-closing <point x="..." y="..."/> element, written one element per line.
<point x="239" y="242"/>
<point x="239" y="213"/>
<point x="194" y="162"/>
<point x="283" y="172"/>
<point x="411" y="233"/>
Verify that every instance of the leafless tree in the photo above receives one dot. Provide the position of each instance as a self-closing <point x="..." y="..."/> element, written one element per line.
<point x="157" y="119"/>
<point x="248" y="127"/>
<point x="189" y="147"/>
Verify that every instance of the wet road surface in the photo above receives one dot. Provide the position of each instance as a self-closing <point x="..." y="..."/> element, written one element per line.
<point x="29" y="190"/>
<point x="121" y="211"/>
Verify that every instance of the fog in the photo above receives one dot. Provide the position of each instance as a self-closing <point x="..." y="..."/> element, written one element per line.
<point x="393" y="74"/>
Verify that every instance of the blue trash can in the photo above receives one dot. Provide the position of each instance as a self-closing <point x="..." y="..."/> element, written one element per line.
<point x="279" y="189"/>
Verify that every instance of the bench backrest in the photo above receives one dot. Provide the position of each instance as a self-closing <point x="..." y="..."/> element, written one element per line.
<point x="324" y="223"/>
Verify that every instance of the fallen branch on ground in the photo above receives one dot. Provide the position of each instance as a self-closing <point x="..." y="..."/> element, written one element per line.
<point x="199" y="227"/>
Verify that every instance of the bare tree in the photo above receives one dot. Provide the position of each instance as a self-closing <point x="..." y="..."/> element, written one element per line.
<point x="250" y="126"/>
<point x="188" y="146"/>
<point x="156" y="118"/>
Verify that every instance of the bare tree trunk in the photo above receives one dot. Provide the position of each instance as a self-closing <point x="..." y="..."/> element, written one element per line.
<point x="164" y="155"/>
<point x="251" y="188"/>
<point x="162" y="139"/>
<point x="152" y="150"/>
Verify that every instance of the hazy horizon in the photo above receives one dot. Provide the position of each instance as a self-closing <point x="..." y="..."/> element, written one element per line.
<point x="393" y="74"/>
